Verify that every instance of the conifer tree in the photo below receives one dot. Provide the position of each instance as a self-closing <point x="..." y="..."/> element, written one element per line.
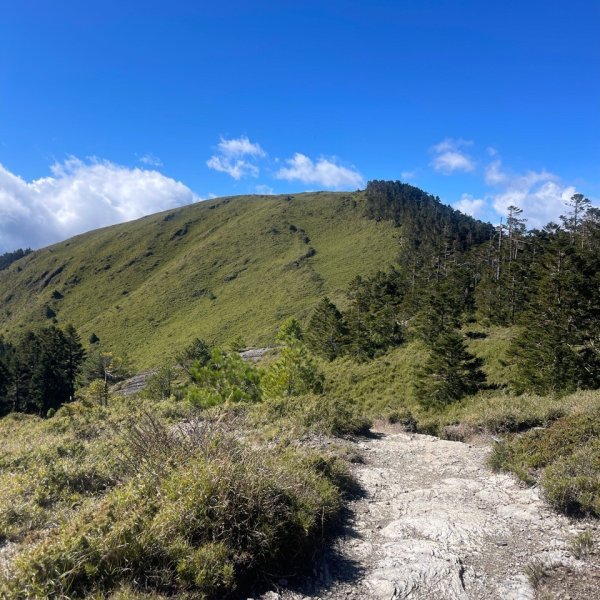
<point x="326" y="333"/>
<point x="558" y="348"/>
<point x="196" y="352"/>
<point x="450" y="373"/>
<point x="373" y="316"/>
<point x="295" y="372"/>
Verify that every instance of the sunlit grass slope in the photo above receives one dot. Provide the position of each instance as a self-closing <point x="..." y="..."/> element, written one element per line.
<point x="218" y="269"/>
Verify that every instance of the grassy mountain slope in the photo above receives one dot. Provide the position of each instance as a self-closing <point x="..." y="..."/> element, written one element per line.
<point x="217" y="269"/>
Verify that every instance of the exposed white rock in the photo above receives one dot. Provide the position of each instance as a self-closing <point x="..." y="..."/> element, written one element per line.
<point x="436" y="523"/>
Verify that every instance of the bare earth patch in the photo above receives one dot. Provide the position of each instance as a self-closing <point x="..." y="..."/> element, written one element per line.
<point x="436" y="522"/>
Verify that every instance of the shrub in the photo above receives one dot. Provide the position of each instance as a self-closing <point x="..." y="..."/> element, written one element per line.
<point x="582" y="544"/>
<point x="319" y="414"/>
<point x="217" y="513"/>
<point x="225" y="377"/>
<point x="404" y="417"/>
<point x="572" y="483"/>
<point x="294" y="373"/>
<point x="565" y="458"/>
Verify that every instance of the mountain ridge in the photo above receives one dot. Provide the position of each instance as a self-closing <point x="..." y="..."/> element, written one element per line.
<point x="218" y="269"/>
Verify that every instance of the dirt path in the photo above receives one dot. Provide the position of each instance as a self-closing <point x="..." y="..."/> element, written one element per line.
<point x="435" y="523"/>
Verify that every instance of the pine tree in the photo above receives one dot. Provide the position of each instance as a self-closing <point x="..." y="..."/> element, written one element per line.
<point x="290" y="331"/>
<point x="196" y="352"/>
<point x="326" y="333"/>
<point x="74" y="357"/>
<point x="559" y="346"/>
<point x="295" y="372"/>
<point x="225" y="377"/>
<point x="450" y="373"/>
<point x="373" y="316"/>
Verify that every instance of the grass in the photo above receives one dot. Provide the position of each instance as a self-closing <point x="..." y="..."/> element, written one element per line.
<point x="301" y="415"/>
<point x="149" y="499"/>
<point x="536" y="571"/>
<point x="49" y="468"/>
<point x="384" y="389"/>
<point x="380" y="386"/>
<point x="215" y="511"/>
<point x="564" y="457"/>
<point x="153" y="499"/>
<point x="583" y="544"/>
<point x="218" y="270"/>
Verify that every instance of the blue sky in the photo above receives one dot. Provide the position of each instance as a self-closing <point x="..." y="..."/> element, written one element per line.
<point x="111" y="110"/>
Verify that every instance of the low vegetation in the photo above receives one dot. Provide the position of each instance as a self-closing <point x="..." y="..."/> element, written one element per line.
<point x="146" y="288"/>
<point x="564" y="457"/>
<point x="197" y="511"/>
<point x="195" y="495"/>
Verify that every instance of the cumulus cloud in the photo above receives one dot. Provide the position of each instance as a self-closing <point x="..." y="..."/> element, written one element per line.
<point x="150" y="160"/>
<point x="407" y="175"/>
<point x="449" y="157"/>
<point x="541" y="202"/>
<point x="241" y="146"/>
<point x="237" y="157"/>
<point x="79" y="196"/>
<point x="470" y="205"/>
<point x="541" y="194"/>
<point x="323" y="172"/>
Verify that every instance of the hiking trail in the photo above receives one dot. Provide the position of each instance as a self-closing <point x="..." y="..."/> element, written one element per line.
<point x="434" y="522"/>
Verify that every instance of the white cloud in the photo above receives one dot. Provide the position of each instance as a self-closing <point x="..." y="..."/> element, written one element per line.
<point x="542" y="201"/>
<point x="237" y="157"/>
<point x="241" y="146"/>
<point x="450" y="158"/>
<point x="540" y="194"/>
<point x="470" y="205"/>
<point x="80" y="196"/>
<point x="265" y="190"/>
<point x="451" y="144"/>
<point x="324" y="172"/>
<point x="150" y="160"/>
<point x="494" y="174"/>
<point x="407" y="175"/>
<point x="235" y="168"/>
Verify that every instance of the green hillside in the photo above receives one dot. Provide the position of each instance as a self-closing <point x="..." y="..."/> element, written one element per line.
<point x="217" y="269"/>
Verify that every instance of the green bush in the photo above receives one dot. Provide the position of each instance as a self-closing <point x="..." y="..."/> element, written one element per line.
<point x="572" y="483"/>
<point x="217" y="513"/>
<point x="225" y="377"/>
<point x="564" y="457"/>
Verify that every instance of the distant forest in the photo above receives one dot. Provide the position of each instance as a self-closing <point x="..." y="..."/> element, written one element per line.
<point x="453" y="270"/>
<point x="8" y="258"/>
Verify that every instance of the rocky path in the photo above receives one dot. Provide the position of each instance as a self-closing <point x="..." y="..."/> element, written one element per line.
<point x="435" y="523"/>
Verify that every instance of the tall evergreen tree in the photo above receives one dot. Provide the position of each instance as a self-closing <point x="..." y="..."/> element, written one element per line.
<point x="326" y="334"/>
<point x="374" y="318"/>
<point x="450" y="373"/>
<point x="558" y="349"/>
<point x="44" y="369"/>
<point x="74" y="357"/>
